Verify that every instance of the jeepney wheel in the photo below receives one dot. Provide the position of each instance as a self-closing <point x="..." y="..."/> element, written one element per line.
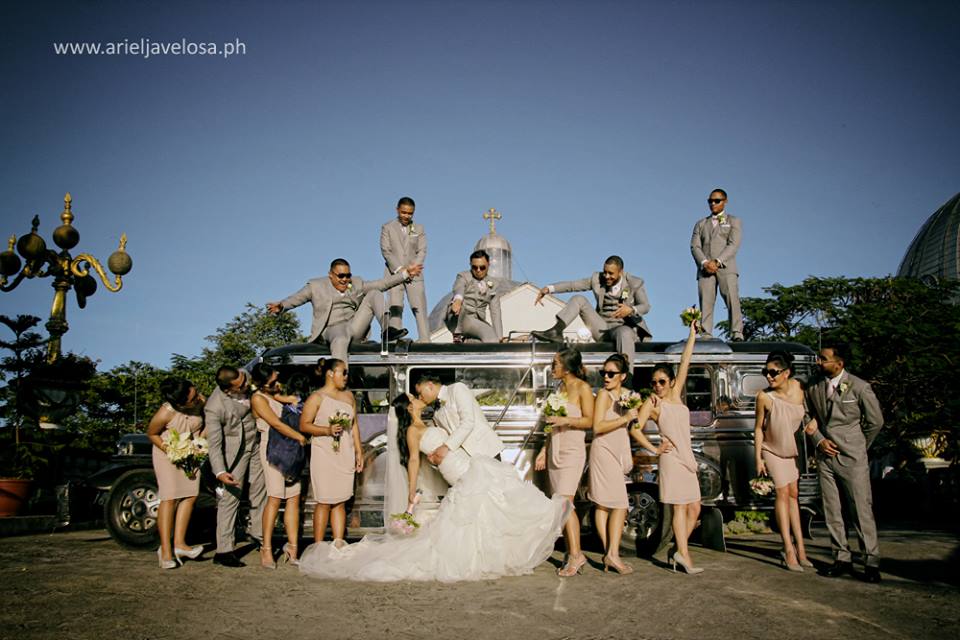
<point x="642" y="529"/>
<point x="130" y="509"/>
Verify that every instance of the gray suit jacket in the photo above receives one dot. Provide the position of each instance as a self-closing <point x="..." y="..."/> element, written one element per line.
<point x="476" y="302"/>
<point x="633" y="292"/>
<point x="321" y="294"/>
<point x="851" y="418"/>
<point x="231" y="430"/>
<point x="720" y="243"/>
<point x="400" y="248"/>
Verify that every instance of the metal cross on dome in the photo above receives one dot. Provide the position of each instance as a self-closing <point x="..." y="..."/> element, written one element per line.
<point x="492" y="215"/>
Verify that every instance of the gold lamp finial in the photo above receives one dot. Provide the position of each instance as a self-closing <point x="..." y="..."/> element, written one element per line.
<point x="67" y="216"/>
<point x="492" y="216"/>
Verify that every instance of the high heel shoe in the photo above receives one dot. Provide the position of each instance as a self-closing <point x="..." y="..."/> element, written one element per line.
<point x="621" y="568"/>
<point x="339" y="543"/>
<point x="677" y="559"/>
<point x="796" y="568"/>
<point x="572" y="567"/>
<point x="266" y="558"/>
<point x="805" y="563"/>
<point x="290" y="555"/>
<point x="193" y="553"/>
<point x="166" y="564"/>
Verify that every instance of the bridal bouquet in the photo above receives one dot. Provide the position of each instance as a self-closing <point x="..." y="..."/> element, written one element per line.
<point x="689" y="316"/>
<point x="630" y="400"/>
<point x="341" y="419"/>
<point x="404" y="524"/>
<point x="555" y="405"/>
<point x="185" y="451"/>
<point x="762" y="486"/>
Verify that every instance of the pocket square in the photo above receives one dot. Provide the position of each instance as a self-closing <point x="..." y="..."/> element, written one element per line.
<point x="850" y="401"/>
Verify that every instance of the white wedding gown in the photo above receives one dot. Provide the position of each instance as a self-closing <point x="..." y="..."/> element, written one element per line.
<point x="490" y="524"/>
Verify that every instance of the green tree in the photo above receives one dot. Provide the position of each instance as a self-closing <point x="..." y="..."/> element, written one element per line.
<point x="236" y="343"/>
<point x="904" y="336"/>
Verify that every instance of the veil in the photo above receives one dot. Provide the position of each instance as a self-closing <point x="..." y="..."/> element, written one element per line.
<point x="395" y="486"/>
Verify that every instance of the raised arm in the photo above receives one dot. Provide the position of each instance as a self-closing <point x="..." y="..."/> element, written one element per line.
<point x="261" y="409"/>
<point x="648" y="411"/>
<point x="677" y="390"/>
<point x="295" y="299"/>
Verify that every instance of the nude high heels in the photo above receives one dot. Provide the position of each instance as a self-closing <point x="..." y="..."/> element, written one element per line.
<point x="193" y="553"/>
<point x="266" y="558"/>
<point x="166" y="564"/>
<point x="796" y="568"/>
<point x="619" y="567"/>
<point x="290" y="554"/>
<point x="572" y="567"/>
<point x="677" y="559"/>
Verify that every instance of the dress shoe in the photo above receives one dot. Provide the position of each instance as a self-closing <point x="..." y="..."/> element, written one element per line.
<point x="796" y="568"/>
<point x="552" y="334"/>
<point x="167" y="564"/>
<point x="837" y="569"/>
<point x="394" y="334"/>
<point x="871" y="574"/>
<point x="193" y="552"/>
<point x="677" y="559"/>
<point x="227" y="560"/>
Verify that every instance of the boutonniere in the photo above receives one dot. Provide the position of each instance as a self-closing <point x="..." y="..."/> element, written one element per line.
<point x="624" y="295"/>
<point x="843" y="387"/>
<point x="349" y="287"/>
<point x="489" y="284"/>
<point x="412" y="229"/>
<point x="722" y="218"/>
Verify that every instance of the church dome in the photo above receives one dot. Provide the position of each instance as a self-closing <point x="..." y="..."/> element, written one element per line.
<point x="935" y="251"/>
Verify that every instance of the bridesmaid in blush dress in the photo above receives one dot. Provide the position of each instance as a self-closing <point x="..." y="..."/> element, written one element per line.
<point x="565" y="454"/>
<point x="678" y="481"/>
<point x="183" y="412"/>
<point x="332" y="465"/>
<point x="610" y="460"/>
<point x="780" y="412"/>
<point x="267" y="410"/>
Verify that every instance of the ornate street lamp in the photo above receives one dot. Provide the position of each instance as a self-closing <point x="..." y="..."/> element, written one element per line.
<point x="66" y="271"/>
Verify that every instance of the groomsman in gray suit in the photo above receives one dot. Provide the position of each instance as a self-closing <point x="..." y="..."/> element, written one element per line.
<point x="402" y="243"/>
<point x="234" y="444"/>
<point x="714" y="246"/>
<point x="848" y="418"/>
<point x="473" y="294"/>
<point x="621" y="302"/>
<point x="344" y="305"/>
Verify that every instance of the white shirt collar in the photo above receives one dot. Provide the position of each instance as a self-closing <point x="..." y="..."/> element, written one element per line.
<point x="835" y="381"/>
<point x="617" y="286"/>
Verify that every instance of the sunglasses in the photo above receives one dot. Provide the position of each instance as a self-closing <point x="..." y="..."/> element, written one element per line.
<point x="771" y="373"/>
<point x="714" y="200"/>
<point x="478" y="267"/>
<point x="610" y="374"/>
<point x="343" y="276"/>
<point x="661" y="382"/>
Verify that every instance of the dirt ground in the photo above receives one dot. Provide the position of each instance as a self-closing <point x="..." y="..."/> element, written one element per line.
<point x="83" y="585"/>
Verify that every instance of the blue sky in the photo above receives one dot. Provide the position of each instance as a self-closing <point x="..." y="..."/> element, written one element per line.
<point x="595" y="128"/>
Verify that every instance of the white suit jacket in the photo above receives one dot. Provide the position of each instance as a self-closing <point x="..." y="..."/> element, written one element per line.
<point x="460" y="415"/>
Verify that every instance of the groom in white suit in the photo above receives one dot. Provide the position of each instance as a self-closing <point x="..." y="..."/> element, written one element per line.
<point x="460" y="415"/>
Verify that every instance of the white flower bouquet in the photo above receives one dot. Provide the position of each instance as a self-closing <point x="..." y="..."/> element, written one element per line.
<point x="554" y="405"/>
<point x="762" y="486"/>
<point x="186" y="451"/>
<point x="341" y="419"/>
<point x="690" y="315"/>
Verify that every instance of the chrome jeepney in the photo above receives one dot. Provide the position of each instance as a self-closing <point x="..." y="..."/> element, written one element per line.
<point x="511" y="381"/>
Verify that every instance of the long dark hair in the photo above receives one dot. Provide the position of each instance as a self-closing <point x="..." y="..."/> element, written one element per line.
<point x="401" y="405"/>
<point x="260" y="373"/>
<point x="176" y="391"/>
<point x="572" y="362"/>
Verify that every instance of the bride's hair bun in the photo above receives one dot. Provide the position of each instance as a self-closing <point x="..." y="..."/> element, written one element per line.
<point x="431" y="440"/>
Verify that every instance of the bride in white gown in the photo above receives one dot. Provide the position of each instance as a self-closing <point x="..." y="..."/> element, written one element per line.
<point x="490" y="523"/>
